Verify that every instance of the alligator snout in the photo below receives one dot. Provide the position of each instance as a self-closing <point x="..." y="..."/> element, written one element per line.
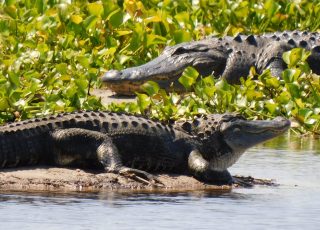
<point x="111" y="75"/>
<point x="281" y="124"/>
<point x="243" y="134"/>
<point x="122" y="83"/>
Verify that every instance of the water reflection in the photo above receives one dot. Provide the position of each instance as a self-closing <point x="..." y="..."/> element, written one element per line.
<point x="291" y="141"/>
<point x="42" y="198"/>
<point x="112" y="197"/>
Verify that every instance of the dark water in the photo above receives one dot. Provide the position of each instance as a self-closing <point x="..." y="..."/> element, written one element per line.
<point x="295" y="204"/>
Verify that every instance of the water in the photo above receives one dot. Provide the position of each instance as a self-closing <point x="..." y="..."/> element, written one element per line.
<point x="295" y="204"/>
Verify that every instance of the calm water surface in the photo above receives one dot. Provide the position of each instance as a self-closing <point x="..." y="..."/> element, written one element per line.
<point x="295" y="204"/>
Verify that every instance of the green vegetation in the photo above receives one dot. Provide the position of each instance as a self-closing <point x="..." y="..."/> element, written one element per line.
<point x="52" y="53"/>
<point x="296" y="95"/>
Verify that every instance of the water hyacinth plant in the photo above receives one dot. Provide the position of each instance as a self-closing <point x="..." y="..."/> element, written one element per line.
<point x="52" y="53"/>
<point x="296" y="96"/>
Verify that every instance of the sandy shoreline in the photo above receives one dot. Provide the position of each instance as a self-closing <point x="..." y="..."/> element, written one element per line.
<point x="76" y="180"/>
<point x="37" y="179"/>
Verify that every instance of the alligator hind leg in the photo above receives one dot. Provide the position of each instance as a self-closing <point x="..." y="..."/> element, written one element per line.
<point x="110" y="158"/>
<point x="76" y="146"/>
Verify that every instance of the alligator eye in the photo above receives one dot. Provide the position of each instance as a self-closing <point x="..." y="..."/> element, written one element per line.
<point x="179" y="50"/>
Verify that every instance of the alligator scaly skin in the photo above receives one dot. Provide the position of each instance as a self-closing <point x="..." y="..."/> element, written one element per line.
<point x="127" y="144"/>
<point x="32" y="141"/>
<point x="227" y="57"/>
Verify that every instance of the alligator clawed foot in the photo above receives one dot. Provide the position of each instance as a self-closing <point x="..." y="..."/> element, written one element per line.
<point x="141" y="176"/>
<point x="240" y="182"/>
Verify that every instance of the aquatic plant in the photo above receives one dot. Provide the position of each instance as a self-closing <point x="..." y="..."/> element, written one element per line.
<point x="52" y="53"/>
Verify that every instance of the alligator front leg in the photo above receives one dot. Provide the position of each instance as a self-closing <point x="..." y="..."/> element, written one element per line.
<point x="75" y="145"/>
<point x="272" y="59"/>
<point x="200" y="168"/>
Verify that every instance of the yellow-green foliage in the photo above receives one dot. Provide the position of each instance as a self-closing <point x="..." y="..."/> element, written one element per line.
<point x="53" y="51"/>
<point x="295" y="95"/>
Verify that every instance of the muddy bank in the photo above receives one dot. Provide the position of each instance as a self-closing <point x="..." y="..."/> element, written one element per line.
<point x="71" y="180"/>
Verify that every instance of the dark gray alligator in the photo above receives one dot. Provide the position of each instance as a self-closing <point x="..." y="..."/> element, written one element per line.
<point x="229" y="57"/>
<point x="127" y="144"/>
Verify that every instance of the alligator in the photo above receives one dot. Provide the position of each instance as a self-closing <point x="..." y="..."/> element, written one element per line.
<point x="135" y="146"/>
<point x="228" y="57"/>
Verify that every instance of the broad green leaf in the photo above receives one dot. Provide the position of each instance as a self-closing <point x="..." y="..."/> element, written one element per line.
<point x="273" y="82"/>
<point x="77" y="19"/>
<point x="116" y="18"/>
<point x="290" y="75"/>
<point x="81" y="83"/>
<point x="284" y="97"/>
<point x="4" y="104"/>
<point x="254" y="95"/>
<point x="189" y="77"/>
<point x="150" y="87"/>
<point x="271" y="7"/>
<point x="62" y="68"/>
<point x="90" y="22"/>
<point x="155" y="18"/>
<point x="40" y="6"/>
<point x="286" y="57"/>
<point x="10" y="2"/>
<point x="14" y="78"/>
<point x="271" y="106"/>
<point x="295" y="56"/>
<point x="95" y="8"/>
<point x="123" y="58"/>
<point x="294" y="89"/>
<point x="84" y="61"/>
<point x="223" y="85"/>
<point x="182" y="36"/>
<point x="123" y="32"/>
<point x="109" y="7"/>
<point x="183" y="18"/>
<point x="11" y="10"/>
<point x="143" y="101"/>
<point x="305" y="113"/>
<point x="208" y="86"/>
<point x="243" y="10"/>
<point x="153" y="39"/>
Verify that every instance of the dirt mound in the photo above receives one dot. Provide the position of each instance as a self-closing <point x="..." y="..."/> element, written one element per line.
<point x="71" y="180"/>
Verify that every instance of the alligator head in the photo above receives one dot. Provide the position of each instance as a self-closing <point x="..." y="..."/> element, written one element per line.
<point x="225" y="137"/>
<point x="168" y="67"/>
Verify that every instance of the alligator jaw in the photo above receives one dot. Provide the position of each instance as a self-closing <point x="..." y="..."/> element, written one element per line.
<point x="168" y="67"/>
<point x="161" y="70"/>
<point x="128" y="85"/>
<point x="242" y="134"/>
